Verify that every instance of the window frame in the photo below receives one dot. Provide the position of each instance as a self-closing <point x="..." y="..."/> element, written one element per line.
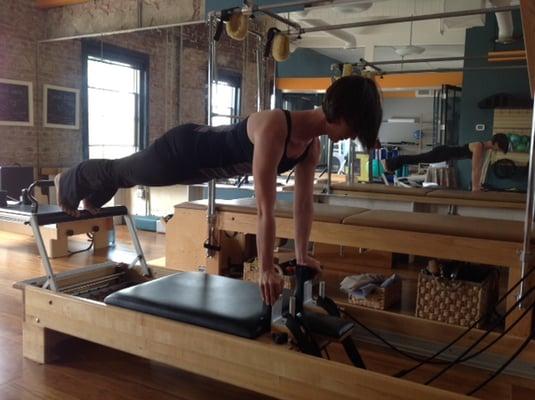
<point x="233" y="79"/>
<point x="138" y="60"/>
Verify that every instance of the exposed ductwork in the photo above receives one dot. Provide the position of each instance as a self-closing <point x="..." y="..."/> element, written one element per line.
<point x="505" y="22"/>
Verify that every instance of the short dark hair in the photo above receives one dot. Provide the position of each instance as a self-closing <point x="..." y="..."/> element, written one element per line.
<point x="357" y="101"/>
<point x="502" y="140"/>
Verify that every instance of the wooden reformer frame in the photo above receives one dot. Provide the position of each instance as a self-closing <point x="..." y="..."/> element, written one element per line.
<point x="51" y="314"/>
<point x="186" y="253"/>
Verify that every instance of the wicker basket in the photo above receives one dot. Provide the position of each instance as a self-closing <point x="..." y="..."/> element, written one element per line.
<point x="380" y="298"/>
<point x="455" y="302"/>
<point x="251" y="271"/>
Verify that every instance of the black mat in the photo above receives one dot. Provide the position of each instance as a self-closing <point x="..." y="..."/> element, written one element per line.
<point x="215" y="302"/>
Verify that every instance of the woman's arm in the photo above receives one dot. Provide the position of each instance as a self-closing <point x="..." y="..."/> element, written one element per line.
<point x="303" y="204"/>
<point x="268" y="148"/>
<point x="477" y="159"/>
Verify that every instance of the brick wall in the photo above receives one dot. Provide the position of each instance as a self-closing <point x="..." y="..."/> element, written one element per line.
<point x="58" y="64"/>
<point x="177" y="92"/>
<point x="20" y="24"/>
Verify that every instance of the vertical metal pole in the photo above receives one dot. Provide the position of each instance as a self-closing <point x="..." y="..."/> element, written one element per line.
<point x="370" y="164"/>
<point x="136" y="243"/>
<point x="329" y="163"/>
<point x="50" y="278"/>
<point x="528" y="220"/>
<point x="351" y="160"/>
<point x="274" y="85"/>
<point x="259" y="75"/>
<point x="211" y="185"/>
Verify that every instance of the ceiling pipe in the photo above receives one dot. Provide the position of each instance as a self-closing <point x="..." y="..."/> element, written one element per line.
<point x="505" y="22"/>
<point x="396" y="20"/>
<point x="349" y="40"/>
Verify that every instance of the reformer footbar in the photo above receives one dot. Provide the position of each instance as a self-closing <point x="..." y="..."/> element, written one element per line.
<point x="30" y="212"/>
<point x="298" y="313"/>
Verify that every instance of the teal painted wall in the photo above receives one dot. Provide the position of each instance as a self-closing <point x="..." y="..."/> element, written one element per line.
<point x="305" y="63"/>
<point x="483" y="83"/>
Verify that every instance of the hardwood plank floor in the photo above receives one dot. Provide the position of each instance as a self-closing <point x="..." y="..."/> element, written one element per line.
<point x="89" y="371"/>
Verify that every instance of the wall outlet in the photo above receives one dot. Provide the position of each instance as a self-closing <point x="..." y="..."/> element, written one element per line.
<point x="480" y="127"/>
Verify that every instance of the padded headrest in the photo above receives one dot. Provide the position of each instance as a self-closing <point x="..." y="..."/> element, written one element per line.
<point x="283" y="209"/>
<point x="454" y="225"/>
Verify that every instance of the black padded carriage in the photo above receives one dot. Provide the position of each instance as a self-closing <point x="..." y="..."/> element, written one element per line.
<point x="211" y="301"/>
<point x="51" y="214"/>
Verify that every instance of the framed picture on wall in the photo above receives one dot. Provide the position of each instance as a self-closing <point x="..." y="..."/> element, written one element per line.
<point x="61" y="107"/>
<point x="16" y="103"/>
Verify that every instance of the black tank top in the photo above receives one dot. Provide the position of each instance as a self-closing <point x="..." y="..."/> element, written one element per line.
<point x="199" y="153"/>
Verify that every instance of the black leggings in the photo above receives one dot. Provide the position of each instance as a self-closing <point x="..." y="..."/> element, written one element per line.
<point x="438" y="154"/>
<point x="98" y="180"/>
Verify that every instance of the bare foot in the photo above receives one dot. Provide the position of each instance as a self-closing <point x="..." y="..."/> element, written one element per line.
<point x="67" y="210"/>
<point x="90" y="208"/>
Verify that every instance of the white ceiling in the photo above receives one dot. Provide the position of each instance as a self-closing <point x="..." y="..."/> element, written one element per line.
<point x="439" y="38"/>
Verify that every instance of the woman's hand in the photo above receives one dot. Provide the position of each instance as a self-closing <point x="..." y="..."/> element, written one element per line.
<point x="270" y="285"/>
<point x="310" y="262"/>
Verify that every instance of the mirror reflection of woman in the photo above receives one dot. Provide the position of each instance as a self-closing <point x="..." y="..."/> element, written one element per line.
<point x="474" y="151"/>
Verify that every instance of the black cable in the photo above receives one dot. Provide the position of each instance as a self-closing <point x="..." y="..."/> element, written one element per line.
<point x="488" y="331"/>
<point x="402" y="373"/>
<point x="12" y="199"/>
<point x="504" y="365"/>
<point x="430" y="359"/>
<point x="469" y="357"/>
<point x="393" y="347"/>
<point x="90" y="236"/>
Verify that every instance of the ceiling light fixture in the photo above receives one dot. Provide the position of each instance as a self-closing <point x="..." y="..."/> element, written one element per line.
<point x="352" y="7"/>
<point x="410" y="49"/>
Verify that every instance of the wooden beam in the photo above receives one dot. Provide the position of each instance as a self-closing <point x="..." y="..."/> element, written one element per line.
<point x="491" y="252"/>
<point x="446" y="201"/>
<point x="527" y="11"/>
<point x="257" y="365"/>
<point x="44" y="4"/>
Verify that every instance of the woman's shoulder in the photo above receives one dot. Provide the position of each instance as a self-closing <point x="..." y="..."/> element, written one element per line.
<point x="268" y="120"/>
<point x="476" y="146"/>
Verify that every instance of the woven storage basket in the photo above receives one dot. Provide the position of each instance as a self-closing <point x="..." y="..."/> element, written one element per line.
<point x="250" y="273"/>
<point x="380" y="298"/>
<point x="454" y="302"/>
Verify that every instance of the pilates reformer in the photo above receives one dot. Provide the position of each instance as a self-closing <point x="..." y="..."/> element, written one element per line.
<point x="292" y="316"/>
<point x="199" y="322"/>
<point x="25" y="215"/>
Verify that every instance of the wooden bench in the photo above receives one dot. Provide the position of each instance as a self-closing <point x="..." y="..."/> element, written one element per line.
<point x="500" y="205"/>
<point x="477" y="240"/>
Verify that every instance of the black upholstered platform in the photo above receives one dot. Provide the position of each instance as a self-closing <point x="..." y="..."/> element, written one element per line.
<point x="215" y="302"/>
<point x="51" y="214"/>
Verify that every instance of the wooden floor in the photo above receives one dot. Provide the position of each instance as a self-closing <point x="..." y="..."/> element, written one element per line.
<point x="89" y="371"/>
